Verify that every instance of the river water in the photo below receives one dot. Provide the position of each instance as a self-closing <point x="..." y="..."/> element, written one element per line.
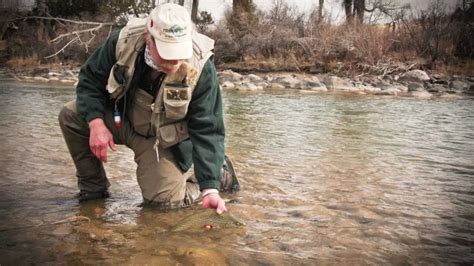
<point x="325" y="178"/>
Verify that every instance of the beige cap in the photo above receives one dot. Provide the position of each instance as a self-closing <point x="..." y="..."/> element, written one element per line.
<point x="171" y="27"/>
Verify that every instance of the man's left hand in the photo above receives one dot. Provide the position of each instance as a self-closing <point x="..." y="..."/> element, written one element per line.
<point x="214" y="201"/>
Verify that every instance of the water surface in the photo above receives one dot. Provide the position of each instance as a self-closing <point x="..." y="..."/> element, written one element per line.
<point x="326" y="178"/>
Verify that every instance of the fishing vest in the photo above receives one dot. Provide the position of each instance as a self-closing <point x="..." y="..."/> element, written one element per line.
<point x="169" y="108"/>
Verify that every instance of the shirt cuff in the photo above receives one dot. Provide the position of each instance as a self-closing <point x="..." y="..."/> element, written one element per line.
<point x="208" y="191"/>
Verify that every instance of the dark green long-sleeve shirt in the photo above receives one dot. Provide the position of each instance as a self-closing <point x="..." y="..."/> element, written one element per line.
<point x="204" y="148"/>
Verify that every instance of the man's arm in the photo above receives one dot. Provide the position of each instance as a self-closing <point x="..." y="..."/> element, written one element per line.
<point x="206" y="131"/>
<point x="92" y="96"/>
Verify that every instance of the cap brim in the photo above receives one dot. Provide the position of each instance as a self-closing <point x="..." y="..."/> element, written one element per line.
<point x="174" y="51"/>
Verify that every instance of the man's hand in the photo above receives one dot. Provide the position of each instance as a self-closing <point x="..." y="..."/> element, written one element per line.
<point x="214" y="201"/>
<point x="100" y="137"/>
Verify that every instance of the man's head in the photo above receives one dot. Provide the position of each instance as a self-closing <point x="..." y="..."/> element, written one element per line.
<point x="169" y="36"/>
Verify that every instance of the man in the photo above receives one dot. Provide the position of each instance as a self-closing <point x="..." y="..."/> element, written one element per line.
<point x="152" y="87"/>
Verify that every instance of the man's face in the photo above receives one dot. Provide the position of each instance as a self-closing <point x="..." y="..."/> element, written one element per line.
<point x="166" y="66"/>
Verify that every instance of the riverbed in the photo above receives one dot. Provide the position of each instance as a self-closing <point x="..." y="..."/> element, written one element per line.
<point x="326" y="179"/>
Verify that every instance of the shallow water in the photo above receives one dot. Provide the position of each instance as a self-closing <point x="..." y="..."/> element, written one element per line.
<point x="326" y="179"/>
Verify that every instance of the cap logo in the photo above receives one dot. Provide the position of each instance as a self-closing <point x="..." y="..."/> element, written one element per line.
<point x="175" y="31"/>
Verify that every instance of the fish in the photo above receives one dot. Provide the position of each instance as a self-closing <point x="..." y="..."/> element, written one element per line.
<point x="207" y="219"/>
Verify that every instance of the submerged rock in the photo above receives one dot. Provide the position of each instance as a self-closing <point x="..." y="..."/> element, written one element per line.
<point x="200" y="219"/>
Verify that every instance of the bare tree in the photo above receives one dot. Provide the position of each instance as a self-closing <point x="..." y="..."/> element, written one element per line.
<point x="320" y="11"/>
<point x="194" y="11"/>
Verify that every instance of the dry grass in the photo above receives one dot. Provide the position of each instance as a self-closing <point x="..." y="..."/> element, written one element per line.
<point x="28" y="61"/>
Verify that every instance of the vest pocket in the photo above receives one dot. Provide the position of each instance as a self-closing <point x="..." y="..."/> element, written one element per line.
<point x="173" y="134"/>
<point x="140" y="114"/>
<point x="176" y="101"/>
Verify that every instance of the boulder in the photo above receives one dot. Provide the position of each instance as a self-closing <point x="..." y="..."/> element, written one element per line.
<point x="288" y="82"/>
<point x="459" y="85"/>
<point x="276" y="86"/>
<point x="254" y="78"/>
<point x="228" y="85"/>
<point x="229" y="75"/>
<point x="336" y="83"/>
<point x="415" y="86"/>
<point x="415" y="75"/>
<point x="312" y="83"/>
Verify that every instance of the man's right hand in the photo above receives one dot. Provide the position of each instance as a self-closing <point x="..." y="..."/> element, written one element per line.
<point x="100" y="138"/>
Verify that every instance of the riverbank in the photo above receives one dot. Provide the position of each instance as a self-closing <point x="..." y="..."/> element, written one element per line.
<point x="414" y="83"/>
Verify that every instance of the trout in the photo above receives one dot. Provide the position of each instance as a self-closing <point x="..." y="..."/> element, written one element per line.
<point x="206" y="218"/>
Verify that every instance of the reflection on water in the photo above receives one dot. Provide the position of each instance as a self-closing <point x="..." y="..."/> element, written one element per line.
<point x="326" y="179"/>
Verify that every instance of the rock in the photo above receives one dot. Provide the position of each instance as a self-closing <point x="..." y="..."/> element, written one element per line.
<point x="401" y="88"/>
<point x="229" y="75"/>
<point x="450" y="96"/>
<point x="68" y="81"/>
<point x="228" y="85"/>
<point x="41" y="79"/>
<point x="389" y="91"/>
<point x="276" y="86"/>
<point x="421" y="94"/>
<point x="288" y="81"/>
<point x="370" y="89"/>
<point x="336" y="83"/>
<point x="383" y="85"/>
<point x="436" y="88"/>
<point x="459" y="85"/>
<point x="415" y="75"/>
<point x="262" y="85"/>
<point x="53" y="74"/>
<point x="254" y="78"/>
<point x="312" y="83"/>
<point x="318" y="89"/>
<point x="415" y="86"/>
<point x="246" y="86"/>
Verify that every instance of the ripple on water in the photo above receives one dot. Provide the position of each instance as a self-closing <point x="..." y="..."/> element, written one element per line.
<point x="325" y="179"/>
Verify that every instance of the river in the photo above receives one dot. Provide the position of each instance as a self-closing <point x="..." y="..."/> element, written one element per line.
<point x="326" y="179"/>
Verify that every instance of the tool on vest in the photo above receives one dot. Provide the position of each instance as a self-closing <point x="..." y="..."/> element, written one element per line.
<point x="117" y="120"/>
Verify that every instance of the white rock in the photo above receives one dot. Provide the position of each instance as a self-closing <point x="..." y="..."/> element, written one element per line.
<point x="401" y="88"/>
<point x="254" y="78"/>
<point x="276" y="86"/>
<point x="421" y="94"/>
<point x="37" y="78"/>
<point x="228" y="85"/>
<point x="229" y="75"/>
<point x="415" y="75"/>
<point x="262" y="85"/>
